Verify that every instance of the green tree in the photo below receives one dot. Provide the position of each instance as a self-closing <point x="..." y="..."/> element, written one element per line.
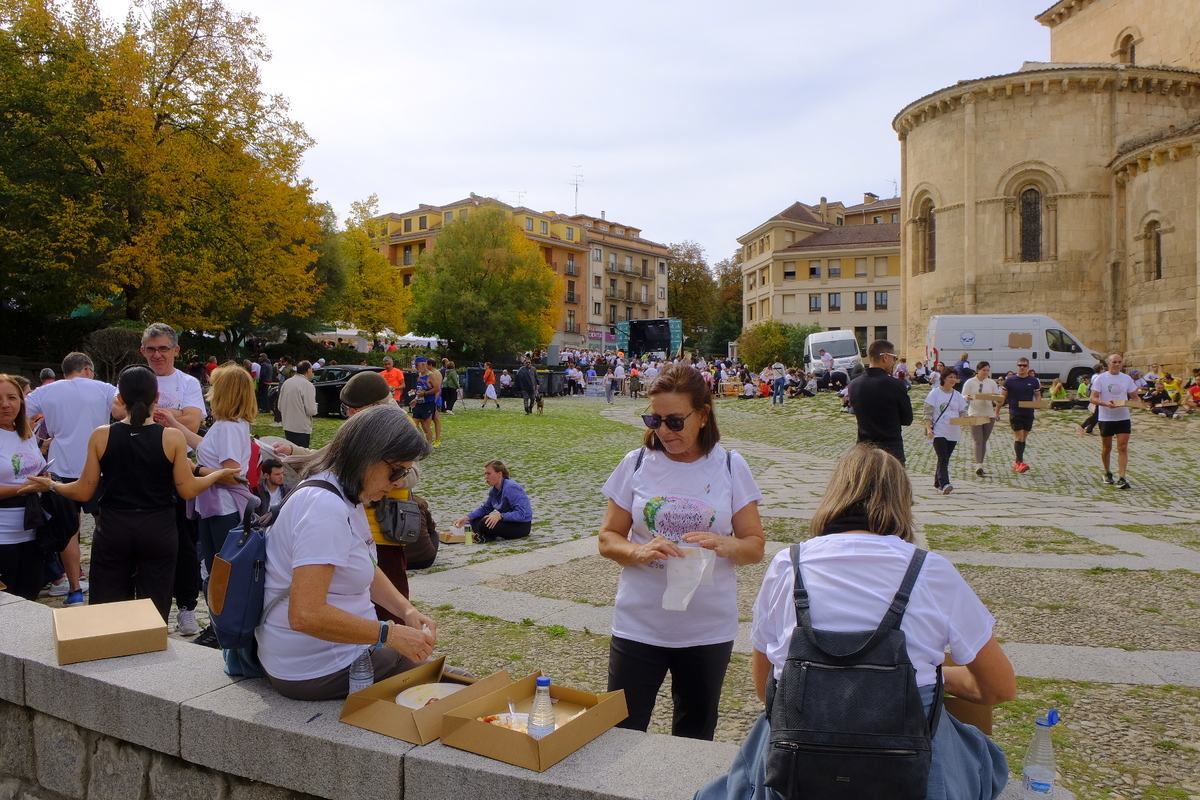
<point x="691" y="291"/>
<point x="727" y="322"/>
<point x="486" y="288"/>
<point x="764" y="342"/>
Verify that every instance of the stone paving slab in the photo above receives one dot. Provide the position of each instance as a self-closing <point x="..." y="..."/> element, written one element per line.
<point x="1104" y="664"/>
<point x="1054" y="561"/>
<point x="6" y="598"/>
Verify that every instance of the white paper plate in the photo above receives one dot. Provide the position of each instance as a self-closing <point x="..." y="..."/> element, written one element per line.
<point x="418" y="696"/>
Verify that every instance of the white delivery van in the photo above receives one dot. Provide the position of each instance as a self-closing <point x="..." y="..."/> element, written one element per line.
<point x="841" y="344"/>
<point x="1000" y="339"/>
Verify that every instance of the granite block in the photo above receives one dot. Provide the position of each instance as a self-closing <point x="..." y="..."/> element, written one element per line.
<point x="118" y="771"/>
<point x="252" y="731"/>
<point x="133" y="698"/>
<point x="28" y="632"/>
<point x="179" y="780"/>
<point x="61" y="750"/>
<point x="1102" y="664"/>
<point x="1175" y="668"/>
<point x="16" y="741"/>
<point x="619" y="765"/>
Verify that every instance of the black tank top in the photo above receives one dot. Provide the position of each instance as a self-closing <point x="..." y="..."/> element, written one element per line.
<point x="137" y="474"/>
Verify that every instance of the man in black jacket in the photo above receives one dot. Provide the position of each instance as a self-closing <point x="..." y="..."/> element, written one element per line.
<point x="880" y="402"/>
<point x="527" y="383"/>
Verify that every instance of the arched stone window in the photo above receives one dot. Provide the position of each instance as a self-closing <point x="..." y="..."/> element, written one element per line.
<point x="927" y="232"/>
<point x="1031" y="224"/>
<point x="1127" y="53"/>
<point x="1153" y="248"/>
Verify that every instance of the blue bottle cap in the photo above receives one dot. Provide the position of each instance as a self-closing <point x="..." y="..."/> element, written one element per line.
<point x="1049" y="720"/>
<point x="544" y="681"/>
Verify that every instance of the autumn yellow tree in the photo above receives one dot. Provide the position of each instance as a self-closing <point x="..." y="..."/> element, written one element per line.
<point x="486" y="288"/>
<point x="374" y="297"/>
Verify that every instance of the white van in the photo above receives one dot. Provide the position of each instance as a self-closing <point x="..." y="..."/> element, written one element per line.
<point x="841" y="344"/>
<point x="1000" y="339"/>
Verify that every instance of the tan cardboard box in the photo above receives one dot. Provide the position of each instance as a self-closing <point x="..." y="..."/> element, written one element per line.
<point x="453" y="537"/>
<point x="965" y="711"/>
<point x="88" y="633"/>
<point x="581" y="718"/>
<point x="376" y="709"/>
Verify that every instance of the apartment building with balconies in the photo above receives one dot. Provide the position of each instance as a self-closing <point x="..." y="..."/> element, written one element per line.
<point x="828" y="264"/>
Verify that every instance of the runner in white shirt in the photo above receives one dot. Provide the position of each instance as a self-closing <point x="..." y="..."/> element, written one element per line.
<point x="72" y="408"/>
<point x="1107" y="389"/>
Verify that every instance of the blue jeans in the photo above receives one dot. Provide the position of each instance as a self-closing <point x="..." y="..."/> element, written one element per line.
<point x="777" y="391"/>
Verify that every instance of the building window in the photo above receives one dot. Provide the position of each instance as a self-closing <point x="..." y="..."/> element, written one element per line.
<point x="408" y="225"/>
<point x="662" y="268"/>
<point x="529" y="223"/>
<point x="422" y="222"/>
<point x="881" y="266"/>
<point x="895" y="218"/>
<point x="835" y="268"/>
<point x="861" y="335"/>
<point x="750" y="282"/>
<point x="545" y="227"/>
<point x="628" y="313"/>
<point x="571" y="319"/>
<point x="841" y="221"/>
<point x="597" y="254"/>
<point x="835" y="301"/>
<point x="789" y="304"/>
<point x="408" y="279"/>
<point x="814" y="269"/>
<point x="604" y="228"/>
<point x="449" y="216"/>
<point x="1154" y="251"/>
<point x="662" y="293"/>
<point x="876" y="220"/>
<point x="612" y="315"/>
<point x="765" y="308"/>
<point x="596" y="309"/>
<point x="619" y="231"/>
<point x="1031" y="225"/>
<point x="881" y="301"/>
<point x="408" y="256"/>
<point x="1128" y="51"/>
<point x="789" y="270"/>
<point x="860" y="268"/>
<point x="596" y="281"/>
<point x="462" y="214"/>
<point x="629" y="264"/>
<point x="926" y="260"/>
<point x="645" y="311"/>
<point x="814" y="303"/>
<point x="420" y="248"/>
<point x="570" y="234"/>
<point x="881" y="331"/>
<point x="750" y="312"/>
<point x="860" y="302"/>
<point x="570" y="263"/>
<point x="764" y="276"/>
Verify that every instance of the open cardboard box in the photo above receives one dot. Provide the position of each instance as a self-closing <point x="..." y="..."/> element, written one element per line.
<point x="453" y="536"/>
<point x="107" y="630"/>
<point x="461" y="727"/>
<point x="376" y="708"/>
<point x="965" y="711"/>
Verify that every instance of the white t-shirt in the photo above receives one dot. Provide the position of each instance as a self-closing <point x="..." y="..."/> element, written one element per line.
<point x="671" y="498"/>
<point x="178" y="391"/>
<point x="73" y="409"/>
<point x="1113" y="387"/>
<point x="946" y="406"/>
<point x="255" y="369"/>
<point x="224" y="440"/>
<point x="749" y="390"/>
<point x="19" y="459"/>
<point x="981" y="408"/>
<point x="827" y="360"/>
<point x="316" y="527"/>
<point x="851" y="579"/>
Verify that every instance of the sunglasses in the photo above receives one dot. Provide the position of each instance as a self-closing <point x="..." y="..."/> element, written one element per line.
<point x="654" y="421"/>
<point x="399" y="473"/>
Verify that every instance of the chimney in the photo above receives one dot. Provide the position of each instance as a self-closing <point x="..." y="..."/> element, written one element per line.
<point x="601" y="215"/>
<point x="869" y="197"/>
<point x="824" y="210"/>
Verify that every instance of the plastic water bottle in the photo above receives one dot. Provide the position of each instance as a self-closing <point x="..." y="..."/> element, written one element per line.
<point x="1039" y="761"/>
<point x="362" y="673"/>
<point x="541" y="716"/>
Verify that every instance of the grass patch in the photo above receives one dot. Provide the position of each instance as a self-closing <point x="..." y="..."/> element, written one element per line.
<point x="1182" y="535"/>
<point x="1002" y="539"/>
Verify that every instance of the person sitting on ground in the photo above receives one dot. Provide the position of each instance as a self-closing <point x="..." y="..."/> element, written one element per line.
<point x="1191" y="398"/>
<point x="1083" y="392"/>
<point x="860" y="548"/>
<point x="1173" y="387"/>
<point x="507" y="512"/>
<point x="920" y="374"/>
<point x="321" y="547"/>
<point x="1161" y="400"/>
<point x="748" y="391"/>
<point x="1059" y="400"/>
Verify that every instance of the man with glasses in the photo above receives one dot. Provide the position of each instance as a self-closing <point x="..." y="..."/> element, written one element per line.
<point x="179" y="395"/>
<point x="1108" y="388"/>
<point x="1017" y="389"/>
<point x="880" y="402"/>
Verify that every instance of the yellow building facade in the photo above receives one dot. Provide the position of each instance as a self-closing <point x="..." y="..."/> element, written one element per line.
<point x="828" y="265"/>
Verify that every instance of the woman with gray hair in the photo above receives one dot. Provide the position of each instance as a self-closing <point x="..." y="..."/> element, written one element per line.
<point x="321" y="558"/>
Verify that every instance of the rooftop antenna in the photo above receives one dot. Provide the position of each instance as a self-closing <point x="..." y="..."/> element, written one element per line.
<point x="895" y="188"/>
<point x="520" y="196"/>
<point x="576" y="179"/>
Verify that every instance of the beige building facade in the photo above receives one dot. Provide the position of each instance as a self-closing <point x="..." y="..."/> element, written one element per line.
<point x="828" y="265"/>
<point x="1067" y="188"/>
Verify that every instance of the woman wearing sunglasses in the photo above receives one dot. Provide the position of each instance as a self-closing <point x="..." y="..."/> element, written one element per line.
<point x="681" y="490"/>
<point x="321" y="552"/>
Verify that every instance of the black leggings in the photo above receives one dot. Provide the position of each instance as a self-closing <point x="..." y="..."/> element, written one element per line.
<point x="134" y="556"/>
<point x="21" y="569"/>
<point x="187" y="560"/>
<point x="503" y="530"/>
<point x="449" y="398"/>
<point x="697" y="674"/>
<point x="944" y="448"/>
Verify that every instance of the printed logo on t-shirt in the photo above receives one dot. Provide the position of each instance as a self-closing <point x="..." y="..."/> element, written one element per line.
<point x="672" y="517"/>
<point x="25" y="465"/>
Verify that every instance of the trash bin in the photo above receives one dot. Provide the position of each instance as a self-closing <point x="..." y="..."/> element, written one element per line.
<point x="473" y="387"/>
<point x="552" y="383"/>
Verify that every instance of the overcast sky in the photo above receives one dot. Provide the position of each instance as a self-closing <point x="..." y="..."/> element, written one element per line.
<point x="688" y="119"/>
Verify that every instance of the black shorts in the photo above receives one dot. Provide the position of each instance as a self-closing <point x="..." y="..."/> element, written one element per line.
<point x="424" y="410"/>
<point x="1021" y="423"/>
<point x="1116" y="426"/>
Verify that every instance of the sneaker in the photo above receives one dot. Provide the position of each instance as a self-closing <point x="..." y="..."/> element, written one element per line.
<point x="1122" y="483"/>
<point x="1016" y="466"/>
<point x="1022" y="467"/>
<point x="73" y="599"/>
<point x="63" y="588"/>
<point x="208" y="638"/>
<point x="979" y="470"/>
<point x="448" y="413"/>
<point x="947" y="489"/>
<point x="187" y="622"/>
<point x="438" y="443"/>
<point x="1082" y="432"/>
<point x="1108" y="478"/>
<point x="479" y="538"/>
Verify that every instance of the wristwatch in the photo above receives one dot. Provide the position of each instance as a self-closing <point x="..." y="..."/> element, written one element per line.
<point x="384" y="629"/>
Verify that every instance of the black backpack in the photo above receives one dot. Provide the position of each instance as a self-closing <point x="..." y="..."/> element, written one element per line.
<point x="847" y="722"/>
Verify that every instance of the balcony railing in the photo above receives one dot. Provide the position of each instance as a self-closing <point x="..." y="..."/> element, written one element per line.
<point x="618" y="294"/>
<point x="572" y="297"/>
<point x="572" y="269"/>
<point x="611" y="268"/>
<point x="571" y="327"/>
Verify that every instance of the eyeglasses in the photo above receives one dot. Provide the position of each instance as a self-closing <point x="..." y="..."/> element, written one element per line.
<point x="399" y="474"/>
<point x="654" y="421"/>
<point x="166" y="348"/>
